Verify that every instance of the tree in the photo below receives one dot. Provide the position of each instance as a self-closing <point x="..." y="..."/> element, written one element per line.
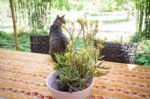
<point x="143" y="17"/>
<point x="14" y="24"/>
<point x="33" y="12"/>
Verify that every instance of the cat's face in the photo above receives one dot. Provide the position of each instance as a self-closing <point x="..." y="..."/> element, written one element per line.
<point x="59" y="20"/>
<point x="62" y="18"/>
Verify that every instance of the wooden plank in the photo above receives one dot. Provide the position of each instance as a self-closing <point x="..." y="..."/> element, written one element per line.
<point x="24" y="74"/>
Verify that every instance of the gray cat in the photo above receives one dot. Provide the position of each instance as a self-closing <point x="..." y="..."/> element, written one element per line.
<point x="58" y="40"/>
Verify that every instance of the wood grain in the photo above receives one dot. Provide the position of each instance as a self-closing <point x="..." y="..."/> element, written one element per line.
<point x="23" y="74"/>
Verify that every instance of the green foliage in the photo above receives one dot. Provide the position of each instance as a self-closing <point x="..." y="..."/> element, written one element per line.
<point x="143" y="20"/>
<point x="78" y="65"/>
<point x="136" y="38"/>
<point x="36" y="14"/>
<point x="61" y="4"/>
<point x="139" y="3"/>
<point x="114" y="5"/>
<point x="6" y="38"/>
<point x="82" y="4"/>
<point x="68" y="4"/>
<point x="33" y="13"/>
<point x="143" y="48"/>
<point x="144" y="58"/>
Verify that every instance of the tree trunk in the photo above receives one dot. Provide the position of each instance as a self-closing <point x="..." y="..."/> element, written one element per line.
<point x="14" y="24"/>
<point x="146" y="31"/>
<point x="143" y="20"/>
<point x="141" y="13"/>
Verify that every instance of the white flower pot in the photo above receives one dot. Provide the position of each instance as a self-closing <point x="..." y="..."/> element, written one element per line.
<point x="50" y="81"/>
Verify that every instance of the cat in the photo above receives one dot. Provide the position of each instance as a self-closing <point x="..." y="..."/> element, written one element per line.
<point x="58" y="40"/>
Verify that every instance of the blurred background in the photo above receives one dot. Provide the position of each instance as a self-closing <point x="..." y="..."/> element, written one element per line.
<point x="119" y="21"/>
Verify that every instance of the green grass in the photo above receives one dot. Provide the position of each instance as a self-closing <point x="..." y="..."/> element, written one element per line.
<point x="7" y="40"/>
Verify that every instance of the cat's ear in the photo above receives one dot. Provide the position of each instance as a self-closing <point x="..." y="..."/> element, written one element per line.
<point x="63" y="16"/>
<point x="57" y="16"/>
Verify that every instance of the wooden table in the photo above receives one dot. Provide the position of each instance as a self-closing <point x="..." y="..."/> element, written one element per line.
<point x="22" y="76"/>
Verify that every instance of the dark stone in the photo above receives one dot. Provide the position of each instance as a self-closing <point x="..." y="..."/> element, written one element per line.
<point x="39" y="43"/>
<point x="119" y="52"/>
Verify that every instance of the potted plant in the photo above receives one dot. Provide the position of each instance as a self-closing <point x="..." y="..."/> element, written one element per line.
<point x="75" y="69"/>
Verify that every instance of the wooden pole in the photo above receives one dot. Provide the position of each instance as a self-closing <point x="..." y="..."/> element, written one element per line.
<point x="14" y="24"/>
